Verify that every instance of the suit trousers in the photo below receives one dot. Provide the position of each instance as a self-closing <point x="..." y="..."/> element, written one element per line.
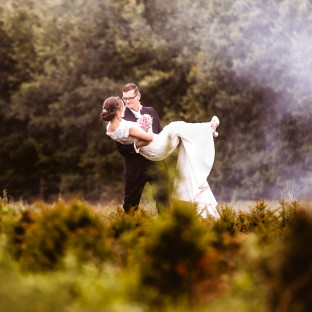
<point x="134" y="190"/>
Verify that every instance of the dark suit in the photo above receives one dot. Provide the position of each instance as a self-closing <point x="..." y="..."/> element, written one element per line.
<point x="138" y="170"/>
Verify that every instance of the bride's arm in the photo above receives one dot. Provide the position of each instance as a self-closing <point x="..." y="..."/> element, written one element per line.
<point x="140" y="134"/>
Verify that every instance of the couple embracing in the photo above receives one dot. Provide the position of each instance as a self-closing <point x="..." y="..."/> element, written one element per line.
<point x="143" y="148"/>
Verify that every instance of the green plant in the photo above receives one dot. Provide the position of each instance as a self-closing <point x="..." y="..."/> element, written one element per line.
<point x="287" y="212"/>
<point x="291" y="290"/>
<point x="41" y="239"/>
<point x="177" y="257"/>
<point x="228" y="220"/>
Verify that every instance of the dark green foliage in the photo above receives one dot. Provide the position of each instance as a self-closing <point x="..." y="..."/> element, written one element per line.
<point x="125" y="231"/>
<point x="177" y="258"/>
<point x="262" y="217"/>
<point x="248" y="62"/>
<point x="40" y="239"/>
<point x="3" y="201"/>
<point x="259" y="260"/>
<point x="123" y="223"/>
<point x="287" y="212"/>
<point x="293" y="288"/>
<point x="227" y="222"/>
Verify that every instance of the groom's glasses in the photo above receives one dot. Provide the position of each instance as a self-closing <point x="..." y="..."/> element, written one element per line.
<point x="129" y="98"/>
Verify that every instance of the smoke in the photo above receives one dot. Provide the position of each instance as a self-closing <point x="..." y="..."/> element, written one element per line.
<point x="268" y="44"/>
<point x="278" y="38"/>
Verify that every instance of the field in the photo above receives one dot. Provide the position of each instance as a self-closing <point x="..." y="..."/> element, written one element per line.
<point x="77" y="256"/>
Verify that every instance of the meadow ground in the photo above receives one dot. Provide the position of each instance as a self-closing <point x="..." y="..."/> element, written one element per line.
<point x="147" y="203"/>
<point x="111" y="204"/>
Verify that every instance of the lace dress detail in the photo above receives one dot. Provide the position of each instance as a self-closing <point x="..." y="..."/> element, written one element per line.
<point x="121" y="134"/>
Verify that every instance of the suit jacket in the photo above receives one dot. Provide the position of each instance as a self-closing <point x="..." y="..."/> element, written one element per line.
<point x="135" y="164"/>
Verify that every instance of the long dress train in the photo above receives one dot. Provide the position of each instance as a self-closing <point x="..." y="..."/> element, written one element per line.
<point x="195" y="158"/>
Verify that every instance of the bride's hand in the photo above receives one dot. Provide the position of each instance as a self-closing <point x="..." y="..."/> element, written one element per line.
<point x="150" y="130"/>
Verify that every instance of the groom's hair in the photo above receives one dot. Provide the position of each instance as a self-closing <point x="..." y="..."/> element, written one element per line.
<point x="130" y="86"/>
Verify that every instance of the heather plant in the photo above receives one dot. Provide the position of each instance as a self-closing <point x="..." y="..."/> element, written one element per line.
<point x="127" y="223"/>
<point x="125" y="232"/>
<point x="177" y="258"/>
<point x="287" y="212"/>
<point x="74" y="288"/>
<point x="4" y="208"/>
<point x="260" y="215"/>
<point x="280" y="265"/>
<point x="228" y="220"/>
<point x="17" y="230"/>
<point x="69" y="256"/>
<point x="4" y="200"/>
<point x="243" y="222"/>
<point x="260" y="218"/>
<point x="40" y="239"/>
<point x="292" y="287"/>
<point x="248" y="284"/>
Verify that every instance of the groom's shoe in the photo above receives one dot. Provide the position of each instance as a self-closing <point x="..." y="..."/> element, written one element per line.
<point x="217" y="122"/>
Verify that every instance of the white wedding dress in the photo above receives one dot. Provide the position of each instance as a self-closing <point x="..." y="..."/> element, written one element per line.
<point x="195" y="158"/>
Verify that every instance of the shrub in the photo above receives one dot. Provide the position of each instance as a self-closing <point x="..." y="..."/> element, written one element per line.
<point x="177" y="258"/>
<point x="41" y="239"/>
<point x="260" y="218"/>
<point x="228" y="220"/>
<point x="287" y="212"/>
<point x="125" y="231"/>
<point x="292" y="288"/>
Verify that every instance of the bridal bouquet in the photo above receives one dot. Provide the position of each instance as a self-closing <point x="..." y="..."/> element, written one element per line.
<point x="145" y="122"/>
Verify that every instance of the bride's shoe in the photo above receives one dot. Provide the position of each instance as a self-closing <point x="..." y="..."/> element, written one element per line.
<point x="215" y="122"/>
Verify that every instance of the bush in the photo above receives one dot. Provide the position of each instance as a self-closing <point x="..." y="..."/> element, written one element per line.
<point x="125" y="231"/>
<point x="293" y="282"/>
<point x="258" y="260"/>
<point x="177" y="258"/>
<point x="41" y="238"/>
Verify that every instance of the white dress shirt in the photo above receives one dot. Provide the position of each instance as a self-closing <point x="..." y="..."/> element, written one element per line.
<point x="137" y="115"/>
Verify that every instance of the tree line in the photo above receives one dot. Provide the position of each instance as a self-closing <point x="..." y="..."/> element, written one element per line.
<point x="248" y="62"/>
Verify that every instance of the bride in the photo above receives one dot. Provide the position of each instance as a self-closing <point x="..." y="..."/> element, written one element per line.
<point x="195" y="155"/>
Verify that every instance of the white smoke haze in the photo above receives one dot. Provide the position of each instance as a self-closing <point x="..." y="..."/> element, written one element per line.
<point x="289" y="46"/>
<point x="273" y="40"/>
<point x="268" y="44"/>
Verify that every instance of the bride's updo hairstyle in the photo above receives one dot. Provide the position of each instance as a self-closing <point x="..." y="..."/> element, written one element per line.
<point x="110" y="108"/>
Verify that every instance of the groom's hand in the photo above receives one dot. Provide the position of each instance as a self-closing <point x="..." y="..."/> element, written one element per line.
<point x="141" y="143"/>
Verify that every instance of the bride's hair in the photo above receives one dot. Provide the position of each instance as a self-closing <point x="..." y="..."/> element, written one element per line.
<point x="110" y="108"/>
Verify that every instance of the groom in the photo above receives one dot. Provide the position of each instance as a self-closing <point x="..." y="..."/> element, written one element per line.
<point x="137" y="169"/>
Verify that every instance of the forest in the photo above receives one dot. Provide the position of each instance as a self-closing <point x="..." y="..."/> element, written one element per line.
<point x="248" y="62"/>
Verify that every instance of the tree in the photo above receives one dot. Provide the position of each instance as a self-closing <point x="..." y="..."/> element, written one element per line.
<point x="248" y="62"/>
